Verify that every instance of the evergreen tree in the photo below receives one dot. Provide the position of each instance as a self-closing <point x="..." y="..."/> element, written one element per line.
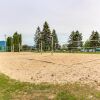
<point x="46" y="37"/>
<point x="87" y="45"/>
<point x="94" y="39"/>
<point x="46" y="40"/>
<point x="55" y="40"/>
<point x="75" y="40"/>
<point x="37" y="38"/>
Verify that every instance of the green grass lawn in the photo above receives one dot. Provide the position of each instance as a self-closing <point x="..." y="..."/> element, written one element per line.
<point x="15" y="90"/>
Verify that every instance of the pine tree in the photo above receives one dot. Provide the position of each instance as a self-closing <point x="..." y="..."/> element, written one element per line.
<point x="87" y="45"/>
<point x="37" y="38"/>
<point x="55" y="40"/>
<point x="46" y="37"/>
<point x="75" y="40"/>
<point x="94" y="39"/>
<point x="45" y="40"/>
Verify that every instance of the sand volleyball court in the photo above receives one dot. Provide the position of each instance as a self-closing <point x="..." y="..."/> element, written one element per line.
<point x="57" y="68"/>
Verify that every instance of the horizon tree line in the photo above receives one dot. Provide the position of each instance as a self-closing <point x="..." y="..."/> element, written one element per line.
<point x="47" y="40"/>
<point x="73" y="44"/>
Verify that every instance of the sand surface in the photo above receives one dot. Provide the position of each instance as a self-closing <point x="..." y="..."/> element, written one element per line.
<point x="57" y="68"/>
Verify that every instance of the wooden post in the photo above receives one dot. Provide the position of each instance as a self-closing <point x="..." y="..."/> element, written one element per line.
<point x="52" y="44"/>
<point x="41" y="42"/>
<point x="13" y="47"/>
<point x="19" y="47"/>
<point x="41" y="46"/>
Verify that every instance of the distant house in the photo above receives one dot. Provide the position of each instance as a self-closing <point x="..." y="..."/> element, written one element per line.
<point x="2" y="46"/>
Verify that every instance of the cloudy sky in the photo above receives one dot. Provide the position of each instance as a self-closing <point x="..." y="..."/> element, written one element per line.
<point x="63" y="15"/>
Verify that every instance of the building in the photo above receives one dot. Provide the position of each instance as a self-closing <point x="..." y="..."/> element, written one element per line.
<point x="2" y="46"/>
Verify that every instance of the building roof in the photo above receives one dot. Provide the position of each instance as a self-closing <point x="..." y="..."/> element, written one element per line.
<point x="2" y="43"/>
